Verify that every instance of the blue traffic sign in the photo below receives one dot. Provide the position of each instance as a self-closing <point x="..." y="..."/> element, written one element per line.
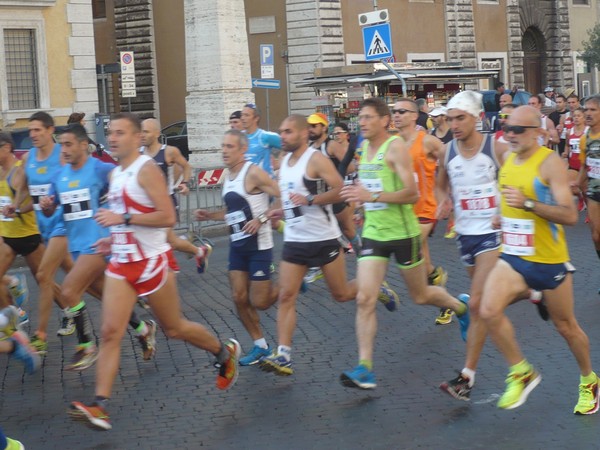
<point x="266" y="84"/>
<point x="266" y="55"/>
<point x="377" y="41"/>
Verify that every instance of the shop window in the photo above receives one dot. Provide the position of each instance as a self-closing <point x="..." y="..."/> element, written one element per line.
<point x="21" y="69"/>
<point x="581" y="2"/>
<point x="99" y="9"/>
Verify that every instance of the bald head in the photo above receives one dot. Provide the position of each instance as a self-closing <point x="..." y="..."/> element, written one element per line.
<point x="150" y="132"/>
<point x="526" y="116"/>
<point x="505" y="99"/>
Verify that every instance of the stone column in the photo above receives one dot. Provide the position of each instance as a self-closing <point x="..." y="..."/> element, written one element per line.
<point x="218" y="74"/>
<point x="460" y="32"/>
<point x="516" y="76"/>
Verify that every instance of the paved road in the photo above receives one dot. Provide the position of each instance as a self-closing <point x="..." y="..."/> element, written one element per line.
<point x="171" y="402"/>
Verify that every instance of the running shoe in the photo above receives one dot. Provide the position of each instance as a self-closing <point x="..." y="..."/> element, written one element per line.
<point x="228" y="371"/>
<point x="359" y="377"/>
<point x="202" y="261"/>
<point x="450" y="233"/>
<point x="40" y="345"/>
<point x="438" y="277"/>
<point x="11" y="314"/>
<point x="458" y="388"/>
<point x="254" y="355"/>
<point x="313" y="274"/>
<point x="541" y="307"/>
<point x="444" y="317"/>
<point x="518" y="388"/>
<point x="588" y="399"/>
<point x="24" y="352"/>
<point x="92" y="415"/>
<point x="67" y="326"/>
<point x="13" y="444"/>
<point x="464" y="320"/>
<point x="303" y="287"/>
<point x="23" y="316"/>
<point x="84" y="358"/>
<point x="388" y="297"/>
<point x="276" y="363"/>
<point x="19" y="292"/>
<point x="272" y="268"/>
<point x="148" y="342"/>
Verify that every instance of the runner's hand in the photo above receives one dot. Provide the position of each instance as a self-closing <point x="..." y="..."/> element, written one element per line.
<point x="102" y="246"/>
<point x="514" y="197"/>
<point x="201" y="214"/>
<point x="252" y="226"/>
<point x="107" y="218"/>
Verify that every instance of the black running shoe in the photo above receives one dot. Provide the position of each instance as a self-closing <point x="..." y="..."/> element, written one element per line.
<point x="458" y="388"/>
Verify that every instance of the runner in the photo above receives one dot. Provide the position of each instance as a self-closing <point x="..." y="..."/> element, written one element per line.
<point x="387" y="188"/>
<point x="536" y="202"/>
<point x="246" y="194"/>
<point x="264" y="146"/>
<point x="572" y="153"/>
<point x="140" y="214"/>
<point x="310" y="236"/>
<point x="14" y="341"/>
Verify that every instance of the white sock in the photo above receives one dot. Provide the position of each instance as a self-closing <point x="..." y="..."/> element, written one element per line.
<point x="200" y="252"/>
<point x="262" y="343"/>
<point x="14" y="281"/>
<point x="470" y="374"/>
<point x="535" y="296"/>
<point x="285" y="351"/>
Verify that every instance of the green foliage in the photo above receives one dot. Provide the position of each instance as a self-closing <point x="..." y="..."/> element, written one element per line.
<point x="591" y="48"/>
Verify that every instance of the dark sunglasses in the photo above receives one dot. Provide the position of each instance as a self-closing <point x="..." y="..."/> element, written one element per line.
<point x="402" y="111"/>
<point x="517" y="129"/>
<point x="336" y="133"/>
<point x="503" y="115"/>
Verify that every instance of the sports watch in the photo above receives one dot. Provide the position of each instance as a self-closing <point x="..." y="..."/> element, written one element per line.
<point x="528" y="204"/>
<point x="310" y="199"/>
<point x="127" y="218"/>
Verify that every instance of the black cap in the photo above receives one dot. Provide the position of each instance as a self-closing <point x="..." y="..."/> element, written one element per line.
<point x="235" y="115"/>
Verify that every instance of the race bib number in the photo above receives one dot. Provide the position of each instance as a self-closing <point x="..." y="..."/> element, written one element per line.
<point x="4" y="201"/>
<point x="478" y="201"/>
<point x="76" y="204"/>
<point x="292" y="214"/>
<point x="123" y="243"/>
<point x="593" y="167"/>
<point x="36" y="191"/>
<point x="374" y="185"/>
<point x="518" y="237"/>
<point x="574" y="144"/>
<point x="236" y="221"/>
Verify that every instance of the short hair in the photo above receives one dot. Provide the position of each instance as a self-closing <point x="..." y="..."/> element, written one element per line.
<point x="575" y="96"/>
<point x="579" y="109"/>
<point x="420" y="102"/>
<point x="342" y="125"/>
<point x="299" y="120"/>
<point x="242" y="137"/>
<point x="593" y="99"/>
<point x="43" y="117"/>
<point x="378" y="105"/>
<point x="6" y="138"/>
<point x="510" y="105"/>
<point x="254" y="108"/>
<point x="411" y="101"/>
<point x="561" y="96"/>
<point x="131" y="118"/>
<point x="498" y="84"/>
<point x="77" y="130"/>
<point x="75" y="117"/>
<point x="540" y="98"/>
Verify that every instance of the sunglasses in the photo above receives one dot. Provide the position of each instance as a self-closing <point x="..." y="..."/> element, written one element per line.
<point x="503" y="115"/>
<point x="336" y="133"/>
<point x="402" y="111"/>
<point x="250" y="105"/>
<point x="517" y="129"/>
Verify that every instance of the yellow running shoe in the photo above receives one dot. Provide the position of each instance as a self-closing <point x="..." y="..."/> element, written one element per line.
<point x="444" y="317"/>
<point x="588" y="398"/>
<point x="518" y="388"/>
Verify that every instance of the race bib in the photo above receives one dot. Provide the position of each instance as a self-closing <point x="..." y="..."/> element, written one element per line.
<point x="76" y="204"/>
<point x="5" y="201"/>
<point x="574" y="144"/>
<point x="374" y="185"/>
<point x="518" y="237"/>
<point x="236" y="221"/>
<point x="36" y="191"/>
<point x="478" y="201"/>
<point x="292" y="214"/>
<point x="593" y="167"/>
<point x="123" y="243"/>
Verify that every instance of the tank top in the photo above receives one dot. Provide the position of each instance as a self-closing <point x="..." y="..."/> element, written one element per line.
<point x="323" y="149"/>
<point x="524" y="233"/>
<point x="384" y="221"/>
<point x="424" y="169"/>
<point x="243" y="207"/>
<point x="544" y="125"/>
<point x="474" y="187"/>
<point x="590" y="156"/>
<point x="304" y="223"/>
<point x="573" y="140"/>
<point x="160" y="159"/>
<point x="22" y="225"/>
<point x="125" y="195"/>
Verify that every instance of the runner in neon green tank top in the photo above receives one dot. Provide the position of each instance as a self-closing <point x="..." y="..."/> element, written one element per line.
<point x="388" y="190"/>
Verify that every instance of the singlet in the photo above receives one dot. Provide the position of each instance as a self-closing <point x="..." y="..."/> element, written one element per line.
<point x="424" y="169"/>
<point x="385" y="221"/>
<point x="474" y="188"/>
<point x="323" y="149"/>
<point x="525" y="234"/>
<point x="40" y="176"/>
<point x="243" y="207"/>
<point x="446" y="138"/>
<point x="573" y="140"/>
<point x="22" y="225"/>
<point x="589" y="146"/>
<point x="260" y="144"/>
<point x="79" y="193"/>
<point x="544" y="125"/>
<point x="134" y="242"/>
<point x="500" y="137"/>
<point x="304" y="223"/>
<point x="160" y="159"/>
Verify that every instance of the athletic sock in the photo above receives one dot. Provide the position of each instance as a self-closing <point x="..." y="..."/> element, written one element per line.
<point x="588" y="379"/>
<point x="522" y="367"/>
<point x="223" y="355"/>
<point x="262" y="343"/>
<point x="470" y="374"/>
<point x="366" y="363"/>
<point x="535" y="296"/>
<point x="81" y="318"/>
<point x="285" y="351"/>
<point x="280" y="226"/>
<point x="463" y="309"/>
<point x="134" y="320"/>
<point x="142" y="329"/>
<point x="101" y="401"/>
<point x="598" y="253"/>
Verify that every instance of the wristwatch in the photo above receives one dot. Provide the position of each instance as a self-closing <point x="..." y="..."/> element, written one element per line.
<point x="528" y="204"/>
<point x="375" y="196"/>
<point x="262" y="219"/>
<point x="127" y="218"/>
<point x="310" y="199"/>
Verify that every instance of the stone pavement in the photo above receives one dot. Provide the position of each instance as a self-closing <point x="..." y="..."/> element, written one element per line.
<point x="171" y="402"/>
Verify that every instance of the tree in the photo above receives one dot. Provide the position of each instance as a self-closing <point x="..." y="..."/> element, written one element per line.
<point x="591" y="48"/>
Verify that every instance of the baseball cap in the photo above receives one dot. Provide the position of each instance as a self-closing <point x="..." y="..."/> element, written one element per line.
<point x="439" y="111"/>
<point x="549" y="89"/>
<point x="235" y="115"/>
<point x="316" y="118"/>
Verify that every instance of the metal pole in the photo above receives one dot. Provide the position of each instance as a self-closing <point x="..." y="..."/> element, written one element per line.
<point x="129" y="103"/>
<point x="391" y="69"/>
<point x="268" y="113"/>
<point x="104" y="89"/>
<point x="374" y="5"/>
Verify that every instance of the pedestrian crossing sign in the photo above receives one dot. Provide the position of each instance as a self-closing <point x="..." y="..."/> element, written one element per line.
<point x="377" y="42"/>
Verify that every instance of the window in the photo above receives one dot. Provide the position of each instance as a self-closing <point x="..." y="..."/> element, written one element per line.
<point x="21" y="69"/>
<point x="581" y="2"/>
<point x="99" y="9"/>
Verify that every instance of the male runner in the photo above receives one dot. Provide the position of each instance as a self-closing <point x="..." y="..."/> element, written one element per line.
<point x="388" y="189"/>
<point x="440" y="129"/>
<point x="536" y="202"/>
<point x="246" y="194"/>
<point x="139" y="215"/>
<point x="310" y="236"/>
<point x="263" y="146"/>
<point x="235" y="120"/>
<point x="15" y="342"/>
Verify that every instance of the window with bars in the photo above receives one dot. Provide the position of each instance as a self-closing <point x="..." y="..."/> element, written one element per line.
<point x="99" y="9"/>
<point x="21" y="69"/>
<point x="581" y="2"/>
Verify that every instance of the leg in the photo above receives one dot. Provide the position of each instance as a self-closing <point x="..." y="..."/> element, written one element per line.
<point x="346" y="222"/>
<point x="85" y="272"/>
<point x="341" y="289"/>
<point x="423" y="294"/>
<point x="240" y="285"/>
<point x="7" y="256"/>
<point x="594" y="215"/>
<point x="425" y="232"/>
<point x="290" y="276"/>
<point x="181" y="245"/>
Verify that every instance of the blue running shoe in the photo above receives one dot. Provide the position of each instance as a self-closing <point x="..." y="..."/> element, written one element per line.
<point x="19" y="292"/>
<point x="23" y="317"/>
<point x="276" y="363"/>
<point x="464" y="320"/>
<point x="388" y="297"/>
<point x="359" y="377"/>
<point x="11" y="322"/>
<point x="254" y="355"/>
<point x="303" y="287"/>
<point x="24" y="352"/>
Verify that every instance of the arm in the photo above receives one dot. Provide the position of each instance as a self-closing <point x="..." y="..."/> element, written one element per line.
<point x="259" y="180"/>
<point x="552" y="134"/>
<point x="204" y="214"/>
<point x="321" y="167"/>
<point x="21" y="189"/>
<point x="174" y="156"/>
<point x="347" y="162"/>
<point x="442" y="187"/>
<point x="433" y="147"/>
<point x="19" y="183"/>
<point x="502" y="151"/>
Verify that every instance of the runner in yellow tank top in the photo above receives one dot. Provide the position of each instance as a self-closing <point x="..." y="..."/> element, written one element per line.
<point x="536" y="201"/>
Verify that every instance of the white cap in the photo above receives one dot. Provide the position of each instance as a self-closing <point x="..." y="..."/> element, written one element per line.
<point x="549" y="89"/>
<point x="469" y="101"/>
<point x="439" y="111"/>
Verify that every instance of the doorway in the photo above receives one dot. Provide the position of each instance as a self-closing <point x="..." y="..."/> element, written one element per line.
<point x="534" y="59"/>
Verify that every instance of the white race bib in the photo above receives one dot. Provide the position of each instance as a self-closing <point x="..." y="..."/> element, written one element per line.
<point x="236" y="221"/>
<point x="36" y="191"/>
<point x="518" y="237"/>
<point x="76" y="204"/>
<point x="478" y="201"/>
<point x="123" y="243"/>
<point x="374" y="185"/>
<point x="5" y="201"/>
<point x="292" y="214"/>
<point x="593" y="167"/>
<point x="574" y="144"/>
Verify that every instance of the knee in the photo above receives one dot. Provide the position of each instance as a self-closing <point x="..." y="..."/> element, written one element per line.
<point x="339" y="296"/>
<point x="567" y="328"/>
<point x="174" y="330"/>
<point x="43" y="277"/>
<point x="365" y="302"/>
<point x="287" y="297"/>
<point x="110" y="334"/>
<point x="240" y="298"/>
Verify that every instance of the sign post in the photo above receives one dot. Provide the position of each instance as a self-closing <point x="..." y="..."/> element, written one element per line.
<point x="267" y="71"/>
<point x="128" y="84"/>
